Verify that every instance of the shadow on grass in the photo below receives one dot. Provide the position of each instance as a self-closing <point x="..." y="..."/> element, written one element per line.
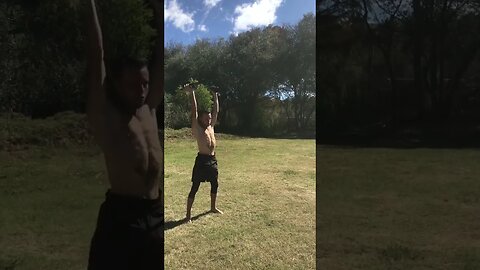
<point x="175" y="223"/>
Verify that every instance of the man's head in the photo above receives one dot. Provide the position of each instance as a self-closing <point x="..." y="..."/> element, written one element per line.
<point x="204" y="118"/>
<point x="128" y="80"/>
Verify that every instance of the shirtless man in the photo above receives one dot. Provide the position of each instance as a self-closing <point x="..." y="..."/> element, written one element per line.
<point x="205" y="168"/>
<point x="121" y="109"/>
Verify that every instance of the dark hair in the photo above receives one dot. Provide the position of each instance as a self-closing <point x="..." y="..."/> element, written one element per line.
<point x="114" y="69"/>
<point x="202" y="112"/>
<point x="116" y="66"/>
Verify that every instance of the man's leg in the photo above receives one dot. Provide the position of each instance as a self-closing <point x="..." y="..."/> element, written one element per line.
<point x="152" y="252"/>
<point x="213" y="197"/>
<point x="191" y="198"/>
<point x="107" y="248"/>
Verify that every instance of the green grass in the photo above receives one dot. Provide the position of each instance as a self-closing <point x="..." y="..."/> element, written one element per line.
<point x="267" y="191"/>
<point x="49" y="200"/>
<point x="398" y="209"/>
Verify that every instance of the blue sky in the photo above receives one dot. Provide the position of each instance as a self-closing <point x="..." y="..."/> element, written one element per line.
<point x="188" y="20"/>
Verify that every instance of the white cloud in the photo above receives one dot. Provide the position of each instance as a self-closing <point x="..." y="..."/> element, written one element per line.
<point x="176" y="15"/>
<point x="202" y="27"/>
<point x="258" y="13"/>
<point x="211" y="3"/>
<point x="229" y="18"/>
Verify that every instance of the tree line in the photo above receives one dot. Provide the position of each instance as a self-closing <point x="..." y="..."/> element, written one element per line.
<point x="42" y="50"/>
<point x="266" y="76"/>
<point x="393" y="63"/>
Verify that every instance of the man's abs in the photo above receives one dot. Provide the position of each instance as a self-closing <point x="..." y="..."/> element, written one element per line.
<point x="206" y="141"/>
<point x="133" y="154"/>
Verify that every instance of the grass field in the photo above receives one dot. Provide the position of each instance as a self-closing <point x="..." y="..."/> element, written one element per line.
<point x="398" y="209"/>
<point x="267" y="191"/>
<point x="49" y="201"/>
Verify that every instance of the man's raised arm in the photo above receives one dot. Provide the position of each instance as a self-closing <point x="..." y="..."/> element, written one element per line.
<point x="155" y="94"/>
<point x="95" y="66"/>
<point x="194" y="105"/>
<point x="216" y="108"/>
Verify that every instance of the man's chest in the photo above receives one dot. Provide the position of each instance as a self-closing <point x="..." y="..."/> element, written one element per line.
<point x="207" y="136"/>
<point x="134" y="139"/>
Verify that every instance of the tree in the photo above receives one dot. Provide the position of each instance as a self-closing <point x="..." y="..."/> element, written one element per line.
<point x="10" y="48"/>
<point x="250" y="62"/>
<point x="248" y="69"/>
<point x="298" y="72"/>
<point x="177" y="71"/>
<point x="445" y="42"/>
<point x="46" y="59"/>
<point x="178" y="107"/>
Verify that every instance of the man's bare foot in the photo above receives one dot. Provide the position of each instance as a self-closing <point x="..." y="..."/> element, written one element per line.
<point x="216" y="210"/>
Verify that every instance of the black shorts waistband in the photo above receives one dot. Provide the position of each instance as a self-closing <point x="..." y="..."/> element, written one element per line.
<point x="130" y="201"/>
<point x="200" y="155"/>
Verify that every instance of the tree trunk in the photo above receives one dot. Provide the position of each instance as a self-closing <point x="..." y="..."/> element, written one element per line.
<point x="417" y="58"/>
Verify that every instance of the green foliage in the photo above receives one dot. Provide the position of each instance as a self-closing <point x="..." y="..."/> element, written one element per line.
<point x="126" y="29"/>
<point x="9" y="54"/>
<point x="42" y="50"/>
<point x="204" y="98"/>
<point x="254" y="70"/>
<point x="205" y="58"/>
<point x="178" y="105"/>
<point x="60" y="129"/>
<point x="176" y="67"/>
<point x="404" y="64"/>
<point x="175" y="134"/>
<point x="42" y="60"/>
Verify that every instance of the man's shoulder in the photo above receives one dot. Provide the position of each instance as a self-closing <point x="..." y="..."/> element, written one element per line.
<point x="196" y="127"/>
<point x="146" y="111"/>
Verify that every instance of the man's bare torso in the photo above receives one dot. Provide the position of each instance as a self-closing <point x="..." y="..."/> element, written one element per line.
<point x="132" y="151"/>
<point x="205" y="139"/>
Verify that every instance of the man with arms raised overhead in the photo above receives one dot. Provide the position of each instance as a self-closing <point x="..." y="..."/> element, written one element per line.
<point x="121" y="109"/>
<point x="205" y="168"/>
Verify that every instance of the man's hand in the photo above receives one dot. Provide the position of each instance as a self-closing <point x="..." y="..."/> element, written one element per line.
<point x="214" y="91"/>
<point x="189" y="87"/>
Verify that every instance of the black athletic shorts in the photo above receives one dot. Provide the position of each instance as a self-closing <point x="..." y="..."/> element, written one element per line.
<point x="205" y="169"/>
<point x="129" y="234"/>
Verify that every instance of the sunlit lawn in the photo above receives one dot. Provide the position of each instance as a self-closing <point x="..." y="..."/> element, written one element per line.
<point x="267" y="191"/>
